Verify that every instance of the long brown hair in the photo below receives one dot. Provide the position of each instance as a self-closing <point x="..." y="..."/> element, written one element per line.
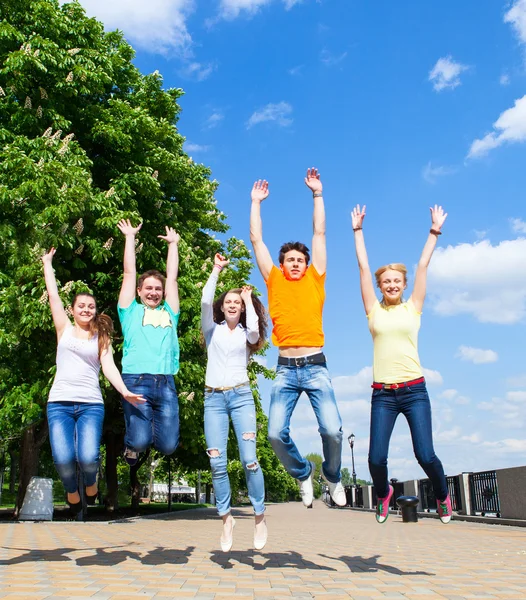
<point x="219" y="317"/>
<point x="101" y="324"/>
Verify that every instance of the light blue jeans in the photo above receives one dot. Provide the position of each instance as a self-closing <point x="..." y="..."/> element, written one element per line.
<point x="288" y="385"/>
<point x="238" y="405"/>
<point x="75" y="430"/>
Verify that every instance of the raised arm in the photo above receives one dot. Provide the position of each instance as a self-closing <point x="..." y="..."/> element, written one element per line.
<point x="252" y="317"/>
<point x="319" y="244"/>
<point x="438" y="216"/>
<point x="263" y="258"/>
<point x="366" y="278"/>
<point x="207" y="298"/>
<point x="171" y="291"/>
<point x="129" y="280"/>
<point x="60" y="318"/>
<point x="114" y="377"/>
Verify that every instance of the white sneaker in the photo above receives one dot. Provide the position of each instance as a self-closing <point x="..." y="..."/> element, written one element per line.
<point x="336" y="491"/>
<point x="307" y="489"/>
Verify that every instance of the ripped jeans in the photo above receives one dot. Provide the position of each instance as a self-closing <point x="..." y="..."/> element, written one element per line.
<point x="238" y="405"/>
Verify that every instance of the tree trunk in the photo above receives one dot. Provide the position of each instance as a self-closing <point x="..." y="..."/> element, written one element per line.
<point x="32" y="440"/>
<point x="135" y="484"/>
<point x="208" y="490"/>
<point x="13" y="468"/>
<point x="113" y="445"/>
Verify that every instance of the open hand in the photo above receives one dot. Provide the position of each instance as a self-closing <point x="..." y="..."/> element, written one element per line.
<point x="312" y="181"/>
<point x="259" y="190"/>
<point x="127" y="228"/>
<point x="438" y="216"/>
<point x="172" y="237"/>
<point x="220" y="261"/>
<point x="358" y="215"/>
<point x="48" y="257"/>
<point x="246" y="294"/>
<point x="134" y="399"/>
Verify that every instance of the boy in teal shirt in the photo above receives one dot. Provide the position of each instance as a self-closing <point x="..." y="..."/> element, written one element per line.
<point x="151" y="349"/>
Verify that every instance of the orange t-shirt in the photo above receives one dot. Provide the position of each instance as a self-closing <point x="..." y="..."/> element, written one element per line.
<point x="296" y="308"/>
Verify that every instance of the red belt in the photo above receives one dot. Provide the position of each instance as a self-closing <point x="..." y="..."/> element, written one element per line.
<point x="395" y="386"/>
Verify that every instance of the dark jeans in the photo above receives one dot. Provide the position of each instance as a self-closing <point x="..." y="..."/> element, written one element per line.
<point x="157" y="420"/>
<point x="413" y="403"/>
<point x="75" y="429"/>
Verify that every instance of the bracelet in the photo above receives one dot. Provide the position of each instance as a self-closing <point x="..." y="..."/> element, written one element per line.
<point x="357" y="228"/>
<point x="435" y="231"/>
<point x="317" y="194"/>
<point x="218" y="267"/>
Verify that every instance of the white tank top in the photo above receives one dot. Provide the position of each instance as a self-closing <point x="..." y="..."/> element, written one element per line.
<point x="78" y="367"/>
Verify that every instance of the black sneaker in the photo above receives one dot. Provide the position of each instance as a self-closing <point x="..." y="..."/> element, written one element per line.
<point x="131" y="456"/>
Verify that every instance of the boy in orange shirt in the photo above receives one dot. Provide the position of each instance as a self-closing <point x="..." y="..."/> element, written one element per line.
<point x="296" y="293"/>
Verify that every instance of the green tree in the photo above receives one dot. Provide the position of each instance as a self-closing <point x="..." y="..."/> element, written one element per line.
<point x="87" y="140"/>
<point x="346" y="478"/>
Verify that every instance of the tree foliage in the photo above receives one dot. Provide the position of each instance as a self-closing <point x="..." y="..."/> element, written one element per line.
<point x="87" y="139"/>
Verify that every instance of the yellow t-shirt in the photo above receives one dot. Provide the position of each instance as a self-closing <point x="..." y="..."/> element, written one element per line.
<point x="296" y="307"/>
<point x="395" y="342"/>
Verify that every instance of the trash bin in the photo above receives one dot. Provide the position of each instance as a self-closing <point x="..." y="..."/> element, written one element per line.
<point x="408" y="504"/>
<point x="38" y="501"/>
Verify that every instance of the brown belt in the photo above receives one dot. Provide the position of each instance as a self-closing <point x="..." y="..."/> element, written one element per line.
<point x="225" y="389"/>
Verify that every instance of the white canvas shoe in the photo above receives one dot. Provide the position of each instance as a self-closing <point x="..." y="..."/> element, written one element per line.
<point x="336" y="491"/>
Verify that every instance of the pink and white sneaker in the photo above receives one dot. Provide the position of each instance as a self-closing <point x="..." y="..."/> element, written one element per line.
<point x="444" y="509"/>
<point x="382" y="506"/>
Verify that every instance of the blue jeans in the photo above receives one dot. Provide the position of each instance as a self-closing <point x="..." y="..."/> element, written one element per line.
<point x="413" y="403"/>
<point x="75" y="430"/>
<point x="288" y="385"/>
<point x="157" y="420"/>
<point x="238" y="404"/>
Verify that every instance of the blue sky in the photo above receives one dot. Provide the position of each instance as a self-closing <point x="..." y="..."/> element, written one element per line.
<point x="400" y="106"/>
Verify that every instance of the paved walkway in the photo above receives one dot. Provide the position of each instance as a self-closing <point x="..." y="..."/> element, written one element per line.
<point x="319" y="553"/>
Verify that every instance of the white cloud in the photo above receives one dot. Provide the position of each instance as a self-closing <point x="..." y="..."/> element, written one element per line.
<point x="431" y="174"/>
<point x="353" y="384"/>
<point x="518" y="225"/>
<point x="517" y="381"/>
<point x="231" y="9"/>
<point x="155" y="26"/>
<point x="510" y="127"/>
<point x="279" y="113"/>
<point x="197" y="71"/>
<point x="518" y="397"/>
<point x="476" y="355"/>
<point x="504" y="79"/>
<point x="296" y="70"/>
<point x="481" y="280"/>
<point x="190" y="147"/>
<point x="329" y="59"/>
<point x="432" y="377"/>
<point x="213" y="120"/>
<point x="446" y="74"/>
<point x="516" y="16"/>
<point x="448" y="394"/>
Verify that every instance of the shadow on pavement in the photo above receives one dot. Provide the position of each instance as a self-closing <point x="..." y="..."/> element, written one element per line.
<point x="276" y="560"/>
<point x="359" y="564"/>
<point x="104" y="556"/>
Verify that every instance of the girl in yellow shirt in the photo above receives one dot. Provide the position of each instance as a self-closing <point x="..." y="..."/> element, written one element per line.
<point x="399" y="385"/>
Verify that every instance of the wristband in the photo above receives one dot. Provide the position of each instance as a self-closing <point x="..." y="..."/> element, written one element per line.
<point x="357" y="228"/>
<point x="435" y="231"/>
<point x="218" y="267"/>
<point x="317" y="194"/>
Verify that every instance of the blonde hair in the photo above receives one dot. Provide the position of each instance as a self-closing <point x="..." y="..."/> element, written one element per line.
<point x="391" y="267"/>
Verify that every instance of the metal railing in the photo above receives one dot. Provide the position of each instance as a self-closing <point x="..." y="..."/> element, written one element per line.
<point x="484" y="493"/>
<point x="427" y="495"/>
<point x="453" y="488"/>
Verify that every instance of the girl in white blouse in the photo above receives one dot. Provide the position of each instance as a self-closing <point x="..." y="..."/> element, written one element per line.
<point x="234" y="326"/>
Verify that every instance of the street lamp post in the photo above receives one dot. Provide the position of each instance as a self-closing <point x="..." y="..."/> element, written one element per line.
<point x="351" y="444"/>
